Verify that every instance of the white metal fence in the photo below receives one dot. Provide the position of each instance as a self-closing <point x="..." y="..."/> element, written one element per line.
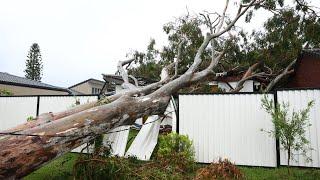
<point x="61" y="103"/>
<point x="16" y="110"/>
<point x="228" y="126"/>
<point x="298" y="99"/>
<point x="220" y="125"/>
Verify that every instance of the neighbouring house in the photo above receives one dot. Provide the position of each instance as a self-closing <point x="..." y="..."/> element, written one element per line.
<point x="22" y="86"/>
<point x="114" y="82"/>
<point x="227" y="81"/>
<point x="306" y="70"/>
<point x="89" y="86"/>
<point x="306" y="74"/>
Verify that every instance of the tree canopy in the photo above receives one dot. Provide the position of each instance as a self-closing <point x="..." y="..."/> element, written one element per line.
<point x="292" y="27"/>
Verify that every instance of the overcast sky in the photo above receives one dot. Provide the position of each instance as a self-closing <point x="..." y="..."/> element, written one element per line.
<point x="80" y="39"/>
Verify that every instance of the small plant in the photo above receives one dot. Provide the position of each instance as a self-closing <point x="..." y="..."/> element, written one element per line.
<point x="77" y="102"/>
<point x="223" y="169"/>
<point x="30" y="118"/>
<point x="4" y="92"/>
<point x="176" y="151"/>
<point x="290" y="130"/>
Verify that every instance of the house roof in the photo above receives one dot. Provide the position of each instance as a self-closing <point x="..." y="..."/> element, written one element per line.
<point x="9" y="79"/>
<point x="74" y="92"/>
<point x="314" y="52"/>
<point x="308" y="76"/>
<point x="91" y="79"/>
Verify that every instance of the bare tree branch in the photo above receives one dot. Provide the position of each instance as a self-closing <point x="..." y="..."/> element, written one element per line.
<point x="284" y="73"/>
<point x="178" y="60"/>
<point x="197" y="60"/>
<point x="223" y="16"/>
<point x="121" y="70"/>
<point x="135" y="80"/>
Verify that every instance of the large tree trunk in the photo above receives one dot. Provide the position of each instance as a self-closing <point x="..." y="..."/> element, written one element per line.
<point x="20" y="155"/>
<point x="29" y="146"/>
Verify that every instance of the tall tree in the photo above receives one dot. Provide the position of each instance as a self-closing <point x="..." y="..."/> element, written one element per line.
<point x="34" y="63"/>
<point x="293" y="26"/>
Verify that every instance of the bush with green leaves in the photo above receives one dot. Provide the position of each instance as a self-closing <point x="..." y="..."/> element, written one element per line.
<point x="4" y="92"/>
<point x="30" y="118"/>
<point x="177" y="151"/>
<point x="290" y="130"/>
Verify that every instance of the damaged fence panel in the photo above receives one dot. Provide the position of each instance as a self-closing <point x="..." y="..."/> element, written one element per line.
<point x="146" y="140"/>
<point x="118" y="138"/>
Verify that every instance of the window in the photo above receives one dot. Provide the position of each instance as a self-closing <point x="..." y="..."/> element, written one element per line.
<point x="96" y="90"/>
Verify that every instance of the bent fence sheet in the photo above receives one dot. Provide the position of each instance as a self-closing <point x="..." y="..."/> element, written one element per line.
<point x="298" y="99"/>
<point x="118" y="138"/>
<point x="228" y="126"/>
<point x="146" y="140"/>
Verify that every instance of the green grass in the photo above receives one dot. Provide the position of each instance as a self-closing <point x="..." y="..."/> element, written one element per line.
<point x="280" y="173"/>
<point x="62" y="167"/>
<point x="132" y="133"/>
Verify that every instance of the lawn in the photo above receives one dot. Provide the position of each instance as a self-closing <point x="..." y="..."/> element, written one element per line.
<point x="62" y="169"/>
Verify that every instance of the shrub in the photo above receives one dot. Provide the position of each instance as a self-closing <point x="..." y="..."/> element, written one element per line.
<point x="223" y="169"/>
<point x="30" y="118"/>
<point x="98" y="167"/>
<point x="4" y="92"/>
<point x="176" y="152"/>
<point x="173" y="159"/>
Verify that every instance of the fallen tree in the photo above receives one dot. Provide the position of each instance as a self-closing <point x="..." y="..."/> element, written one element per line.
<point x="27" y="147"/>
<point x="259" y="70"/>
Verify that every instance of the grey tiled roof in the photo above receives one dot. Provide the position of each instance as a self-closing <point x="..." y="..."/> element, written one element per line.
<point x="6" y="78"/>
<point x="315" y="52"/>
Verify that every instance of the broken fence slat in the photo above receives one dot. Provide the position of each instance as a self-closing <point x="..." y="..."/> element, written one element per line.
<point x="146" y="140"/>
<point x="118" y="140"/>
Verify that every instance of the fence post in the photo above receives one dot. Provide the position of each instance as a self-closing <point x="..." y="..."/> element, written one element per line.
<point x="177" y="114"/>
<point x="275" y="94"/>
<point x="38" y="105"/>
